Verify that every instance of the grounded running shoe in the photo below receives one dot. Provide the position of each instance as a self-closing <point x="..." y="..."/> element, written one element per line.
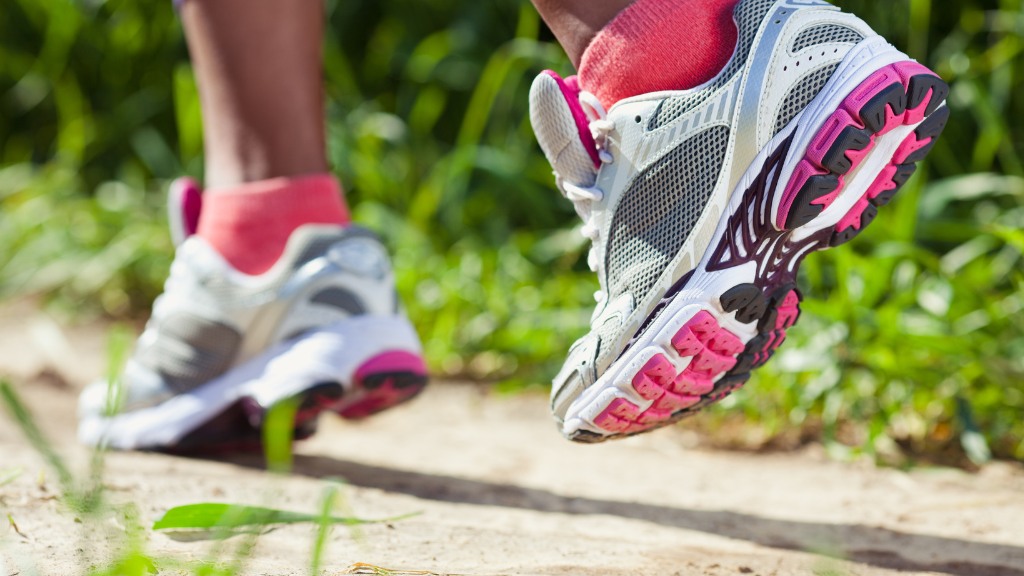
<point x="702" y="203"/>
<point x="323" y="326"/>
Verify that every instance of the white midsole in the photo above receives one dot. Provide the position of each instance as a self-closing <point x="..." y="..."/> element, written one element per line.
<point x="329" y="354"/>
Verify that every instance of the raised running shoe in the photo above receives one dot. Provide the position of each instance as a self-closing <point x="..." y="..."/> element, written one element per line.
<point x="702" y="203"/>
<point x="323" y="327"/>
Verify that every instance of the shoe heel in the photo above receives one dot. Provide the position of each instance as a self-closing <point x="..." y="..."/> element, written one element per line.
<point x="832" y="170"/>
<point x="384" y="381"/>
<point x="310" y="403"/>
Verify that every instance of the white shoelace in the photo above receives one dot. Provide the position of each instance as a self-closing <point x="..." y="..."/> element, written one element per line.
<point x="583" y="197"/>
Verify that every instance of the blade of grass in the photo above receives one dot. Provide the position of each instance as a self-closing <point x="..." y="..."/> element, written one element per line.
<point x="323" y="528"/>
<point x="206" y="516"/>
<point x="119" y="341"/>
<point x="278" y="436"/>
<point x="14" y="526"/>
<point x="34" y="435"/>
<point x="346" y="510"/>
<point x="89" y="497"/>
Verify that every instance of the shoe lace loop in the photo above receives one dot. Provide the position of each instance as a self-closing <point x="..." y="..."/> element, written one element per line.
<point x="600" y="126"/>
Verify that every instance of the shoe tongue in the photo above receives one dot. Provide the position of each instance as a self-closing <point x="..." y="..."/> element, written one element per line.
<point x="184" y="203"/>
<point x="562" y="128"/>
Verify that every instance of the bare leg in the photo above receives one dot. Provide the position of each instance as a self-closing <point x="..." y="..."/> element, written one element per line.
<point x="576" y="22"/>
<point x="258" y="65"/>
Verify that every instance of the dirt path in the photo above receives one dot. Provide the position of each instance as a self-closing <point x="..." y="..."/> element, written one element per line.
<point x="501" y="493"/>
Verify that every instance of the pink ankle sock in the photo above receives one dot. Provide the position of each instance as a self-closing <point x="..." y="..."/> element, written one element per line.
<point x="249" y="224"/>
<point x="656" y="45"/>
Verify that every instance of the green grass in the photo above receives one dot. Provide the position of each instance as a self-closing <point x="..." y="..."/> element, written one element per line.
<point x="912" y="340"/>
<point x="84" y="498"/>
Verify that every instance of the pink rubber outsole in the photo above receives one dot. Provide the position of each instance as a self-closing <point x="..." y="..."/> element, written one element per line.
<point x="385" y="381"/>
<point x="712" y="351"/>
<point x="849" y="114"/>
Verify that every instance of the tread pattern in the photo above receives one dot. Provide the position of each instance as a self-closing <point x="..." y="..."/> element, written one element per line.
<point x="900" y="94"/>
<point x="239" y="428"/>
<point x="703" y="349"/>
<point x="719" y="364"/>
<point x="383" y="391"/>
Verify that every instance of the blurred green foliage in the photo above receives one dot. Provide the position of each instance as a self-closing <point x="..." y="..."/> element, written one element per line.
<point x="912" y="341"/>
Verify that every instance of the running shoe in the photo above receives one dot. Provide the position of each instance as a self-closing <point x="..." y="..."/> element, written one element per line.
<point x="323" y="327"/>
<point x="702" y="203"/>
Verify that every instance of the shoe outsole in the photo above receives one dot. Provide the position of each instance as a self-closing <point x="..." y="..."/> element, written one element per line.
<point x="385" y="381"/>
<point x="704" y="361"/>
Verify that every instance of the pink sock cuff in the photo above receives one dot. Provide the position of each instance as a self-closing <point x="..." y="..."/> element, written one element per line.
<point x="656" y="45"/>
<point x="250" y="224"/>
<point x="289" y="202"/>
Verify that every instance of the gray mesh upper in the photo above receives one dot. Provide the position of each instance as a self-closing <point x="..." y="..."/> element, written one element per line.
<point x="660" y="209"/>
<point x="190" y="350"/>
<point x="222" y="288"/>
<point x="826" y="34"/>
<point x="748" y="15"/>
<point x="802" y="94"/>
<point x="340" y="298"/>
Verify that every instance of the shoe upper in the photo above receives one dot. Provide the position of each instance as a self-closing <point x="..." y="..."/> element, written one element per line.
<point x="669" y="162"/>
<point x="211" y="317"/>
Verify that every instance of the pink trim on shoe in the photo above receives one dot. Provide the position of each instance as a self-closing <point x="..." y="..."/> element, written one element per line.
<point x="184" y="208"/>
<point x="570" y="88"/>
<point x="394" y="361"/>
<point x="848" y="115"/>
<point x="384" y="381"/>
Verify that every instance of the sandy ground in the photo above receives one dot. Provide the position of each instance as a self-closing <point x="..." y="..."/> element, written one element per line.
<point x="501" y="493"/>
